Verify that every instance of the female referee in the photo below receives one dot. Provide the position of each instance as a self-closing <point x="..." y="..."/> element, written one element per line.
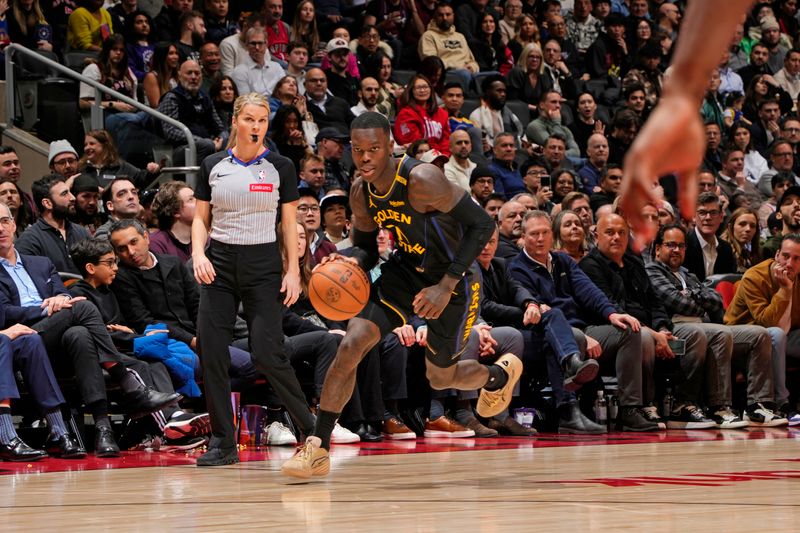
<point x="239" y="195"/>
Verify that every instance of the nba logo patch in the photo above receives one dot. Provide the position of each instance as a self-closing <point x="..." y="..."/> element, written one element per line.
<point x="262" y="175"/>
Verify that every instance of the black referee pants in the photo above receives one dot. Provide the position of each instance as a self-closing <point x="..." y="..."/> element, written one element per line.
<point x="250" y="274"/>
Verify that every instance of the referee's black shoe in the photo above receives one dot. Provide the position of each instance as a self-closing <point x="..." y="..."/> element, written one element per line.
<point x="578" y="372"/>
<point x="219" y="457"/>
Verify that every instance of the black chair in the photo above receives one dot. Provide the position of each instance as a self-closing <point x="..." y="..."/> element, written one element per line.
<point x="520" y="109"/>
<point x="470" y="105"/>
<point x="28" y="68"/>
<point x="57" y="109"/>
<point x="402" y="76"/>
<point x="77" y="60"/>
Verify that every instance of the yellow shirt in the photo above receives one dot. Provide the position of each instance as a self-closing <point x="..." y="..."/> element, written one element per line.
<point x="84" y="30"/>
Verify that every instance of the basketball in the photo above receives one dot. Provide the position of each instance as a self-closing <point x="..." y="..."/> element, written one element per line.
<point x="338" y="290"/>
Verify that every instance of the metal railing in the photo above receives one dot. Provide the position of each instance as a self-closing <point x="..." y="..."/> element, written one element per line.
<point x="190" y="167"/>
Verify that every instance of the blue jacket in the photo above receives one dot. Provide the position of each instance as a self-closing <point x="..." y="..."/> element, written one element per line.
<point x="47" y="281"/>
<point x="179" y="359"/>
<point x="568" y="288"/>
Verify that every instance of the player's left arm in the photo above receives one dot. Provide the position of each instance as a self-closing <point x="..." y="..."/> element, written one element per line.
<point x="430" y="191"/>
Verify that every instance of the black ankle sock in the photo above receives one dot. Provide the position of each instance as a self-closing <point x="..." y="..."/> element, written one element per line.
<point x="497" y="378"/>
<point x="98" y="409"/>
<point x="324" y="427"/>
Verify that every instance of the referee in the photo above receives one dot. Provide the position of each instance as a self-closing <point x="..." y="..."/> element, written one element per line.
<point x="242" y="193"/>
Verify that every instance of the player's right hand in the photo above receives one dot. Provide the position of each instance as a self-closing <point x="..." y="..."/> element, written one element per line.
<point x="204" y="271"/>
<point x="337" y="257"/>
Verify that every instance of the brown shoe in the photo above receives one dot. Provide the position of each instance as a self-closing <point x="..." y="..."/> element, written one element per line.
<point x="447" y="428"/>
<point x="395" y="429"/>
<point x="511" y="427"/>
<point x="480" y="430"/>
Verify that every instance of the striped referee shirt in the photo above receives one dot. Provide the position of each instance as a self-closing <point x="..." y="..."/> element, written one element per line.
<point x="245" y="196"/>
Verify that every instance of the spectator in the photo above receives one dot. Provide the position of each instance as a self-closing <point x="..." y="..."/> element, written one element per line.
<point x="168" y="21"/>
<point x="27" y="26"/>
<point x="297" y="58"/>
<point x="510" y="222"/>
<point x="210" y="62"/>
<point x="636" y="101"/>
<point x="452" y="102"/>
<point x="233" y="49"/>
<point x="111" y="69"/>
<point x="563" y="182"/>
<point x="285" y="93"/>
<point x="705" y="254"/>
<point x="192" y="35"/>
<point x="491" y="53"/>
<point x="87" y="203"/>
<point x="493" y="204"/>
<point x="11" y="169"/>
<point x="309" y="215"/>
<point x="257" y="75"/>
<point x="89" y="25"/>
<point x="174" y="207"/>
<point x="669" y="18"/>
<point x="759" y="55"/>
<point x="101" y="160"/>
<point x="304" y="30"/>
<point x="555" y="152"/>
<point x="549" y="122"/>
<point x="137" y="35"/>
<point x="771" y="38"/>
<point x="525" y="32"/>
<point x="218" y="24"/>
<point x="330" y="146"/>
<point x="163" y="76"/>
<point x="420" y="118"/>
<point x="459" y="168"/>
<point x="582" y="27"/>
<point x="352" y="63"/>
<point x="586" y="123"/>
<point x="754" y="163"/>
<point x="493" y="117"/>
<point x="624" y="127"/>
<point x="592" y="171"/>
<point x="781" y="157"/>
<point x="340" y="83"/>
<point x="470" y="16"/>
<point x="441" y="39"/>
<point x="760" y="93"/>
<point x="312" y="175"/>
<point x="288" y="136"/>
<point x="189" y="105"/>
<point x="557" y="69"/>
<point x="533" y="171"/>
<point x="787" y="77"/>
<point x="742" y="233"/>
<point x="481" y="183"/>
<point x="568" y="235"/>
<point x="419" y="148"/>
<point x="277" y="31"/>
<point x="368" y="94"/>
<point x="733" y="182"/>
<point x="512" y="12"/>
<point x="648" y="74"/>
<point x="121" y="201"/>
<point x="329" y="111"/>
<point x="334" y="209"/>
<point x="779" y="183"/>
<point x="608" y="56"/>
<point x="223" y="93"/>
<point x="526" y="81"/>
<point x="369" y="50"/>
<point x="11" y="196"/>
<point x="62" y="158"/>
<point x="508" y="180"/>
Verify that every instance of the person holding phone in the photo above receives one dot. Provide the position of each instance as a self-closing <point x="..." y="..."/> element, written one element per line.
<point x="621" y="275"/>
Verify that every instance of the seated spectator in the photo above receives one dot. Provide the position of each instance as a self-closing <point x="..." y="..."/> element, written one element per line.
<point x="297" y="63"/>
<point x="781" y="157"/>
<point x="493" y="117"/>
<point x="304" y="30"/>
<point x="87" y="203"/>
<point x="754" y="163"/>
<point x="459" y="167"/>
<point x="624" y="128"/>
<point x="311" y="172"/>
<point x="568" y="235"/>
<point x="621" y="275"/>
<point x="223" y="94"/>
<point x="557" y="69"/>
<point x="101" y="160"/>
<point x="510" y="223"/>
<point x="765" y="129"/>
<point x="648" y="74"/>
<point x="418" y="148"/>
<point x="493" y="204"/>
<point x="168" y="20"/>
<point x="163" y="75"/>
<point x="368" y="94"/>
<point x="525" y="32"/>
<point x="341" y="32"/>
<point x="192" y="35"/>
<point x="233" y="49"/>
<point x="787" y="76"/>
<point x="284" y="94"/>
<point x="137" y="36"/>
<point x="21" y="349"/>
<point x="328" y="110"/>
<point x="369" y="50"/>
<point x="508" y="180"/>
<point x="63" y="159"/>
<point x="330" y="147"/>
<point x="765" y="297"/>
<point x="74" y="336"/>
<point x="211" y="64"/>
<point x="173" y="205"/>
<point x="335" y="212"/>
<point x="481" y="183"/>
<point x="743" y="234"/>
<point x="526" y="81"/>
<point x="452" y="102"/>
<point x="47" y="237"/>
<point x="713" y="106"/>
<point x="609" y="187"/>
<point x="442" y="40"/>
<point x="779" y="182"/>
<point x="592" y="171"/>
<point x="277" y="31"/>
<point x="390" y="90"/>
<point x="89" y="25"/>
<point x="11" y="195"/>
<point x="111" y="69"/>
<point x="549" y="122"/>
<point x="308" y="214"/>
<point x="563" y="183"/>
<point x="420" y="118"/>
<point x="534" y="171"/>
<point x="189" y="105"/>
<point x="259" y="74"/>
<point x="491" y="53"/>
<point x="288" y="133"/>
<point x="121" y="202"/>
<point x="219" y="24"/>
<point x="705" y="253"/>
<point x="555" y="153"/>
<point x="586" y="123"/>
<point x="608" y="55"/>
<point x="27" y="26"/>
<point x="554" y="280"/>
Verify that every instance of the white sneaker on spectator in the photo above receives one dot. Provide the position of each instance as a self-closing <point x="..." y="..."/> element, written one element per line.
<point x="342" y="435"/>
<point x="280" y="435"/>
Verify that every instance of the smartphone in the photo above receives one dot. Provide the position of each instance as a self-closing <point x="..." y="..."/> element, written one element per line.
<point x="545" y="181"/>
<point x="678" y="346"/>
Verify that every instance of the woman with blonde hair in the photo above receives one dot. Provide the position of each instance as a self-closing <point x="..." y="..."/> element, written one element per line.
<point x="742" y="233"/>
<point x="568" y="235"/>
<point x="240" y="196"/>
<point x="525" y="32"/>
<point x="526" y="81"/>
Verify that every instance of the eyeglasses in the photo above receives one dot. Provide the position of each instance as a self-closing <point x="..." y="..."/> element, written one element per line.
<point x="6" y="221"/>
<point x="69" y="161"/>
<point x="107" y="262"/>
<point x="536" y="173"/>
<point x="783" y="154"/>
<point x="371" y="37"/>
<point x="257" y="44"/>
<point x="674" y="245"/>
<point x="307" y="208"/>
<point x="702" y="213"/>
<point x="422" y="87"/>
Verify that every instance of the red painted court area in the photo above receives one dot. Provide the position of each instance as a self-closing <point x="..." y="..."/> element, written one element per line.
<point x="141" y="459"/>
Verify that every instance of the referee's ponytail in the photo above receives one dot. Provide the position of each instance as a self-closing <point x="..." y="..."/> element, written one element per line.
<point x="245" y="99"/>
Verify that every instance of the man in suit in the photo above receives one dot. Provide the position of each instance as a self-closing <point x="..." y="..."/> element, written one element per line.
<point x="705" y="253"/>
<point x="32" y="294"/>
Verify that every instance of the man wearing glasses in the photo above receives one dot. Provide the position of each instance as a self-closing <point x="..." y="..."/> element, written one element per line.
<point x="257" y="75"/>
<point x="705" y="253"/>
<point x="781" y="159"/>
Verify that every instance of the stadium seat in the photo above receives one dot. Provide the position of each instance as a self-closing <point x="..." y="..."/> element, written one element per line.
<point x="28" y="68"/>
<point x="470" y="105"/>
<point x="77" y="61"/>
<point x="725" y="285"/>
<point x="402" y="76"/>
<point x="520" y="109"/>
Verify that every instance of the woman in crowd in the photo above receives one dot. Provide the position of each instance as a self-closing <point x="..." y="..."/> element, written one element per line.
<point x="27" y="25"/>
<point x="287" y="134"/>
<point x="140" y="52"/>
<point x="644" y="32"/>
<point x="754" y="163"/>
<point x="563" y="183"/>
<point x="89" y="25"/>
<point x="163" y="75"/>
<point x="432" y="68"/>
<point x="304" y="30"/>
<point x="527" y="81"/>
<point x="101" y="159"/>
<point x="285" y="93"/>
<point x="420" y="117"/>
<point x="568" y="235"/>
<point x="526" y="32"/>
<point x="742" y="233"/>
<point x="390" y="91"/>
<point x="759" y="89"/>
<point x="111" y="69"/>
<point x="223" y="93"/>
<point x="417" y="148"/>
<point x="489" y="50"/>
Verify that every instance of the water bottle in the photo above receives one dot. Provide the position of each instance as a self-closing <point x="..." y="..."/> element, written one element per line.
<point x="613" y="410"/>
<point x="668" y="402"/>
<point x="600" y="409"/>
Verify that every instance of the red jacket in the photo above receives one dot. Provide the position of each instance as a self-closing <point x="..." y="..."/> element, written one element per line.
<point x="413" y="122"/>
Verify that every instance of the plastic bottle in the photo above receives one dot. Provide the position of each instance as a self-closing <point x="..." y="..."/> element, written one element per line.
<point x="613" y="410"/>
<point x="600" y="409"/>
<point x="668" y="402"/>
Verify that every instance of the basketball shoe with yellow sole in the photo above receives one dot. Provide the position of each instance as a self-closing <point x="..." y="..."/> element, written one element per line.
<point x="491" y="403"/>
<point x="309" y="460"/>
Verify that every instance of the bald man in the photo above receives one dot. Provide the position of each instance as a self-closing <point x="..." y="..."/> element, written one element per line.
<point x="592" y="171"/>
<point x="368" y="93"/>
<point x="328" y="111"/>
<point x="459" y="168"/>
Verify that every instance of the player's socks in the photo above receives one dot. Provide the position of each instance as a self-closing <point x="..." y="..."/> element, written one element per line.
<point x="497" y="378"/>
<point x="324" y="427"/>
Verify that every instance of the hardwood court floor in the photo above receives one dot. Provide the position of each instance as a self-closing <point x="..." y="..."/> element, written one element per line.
<point x="694" y="481"/>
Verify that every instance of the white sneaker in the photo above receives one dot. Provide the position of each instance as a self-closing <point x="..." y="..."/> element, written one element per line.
<point x="280" y="435"/>
<point x="760" y="415"/>
<point x="727" y="418"/>
<point x="650" y="413"/>
<point x="342" y="435"/>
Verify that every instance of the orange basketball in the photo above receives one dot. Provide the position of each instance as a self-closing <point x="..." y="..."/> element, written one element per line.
<point x="338" y="290"/>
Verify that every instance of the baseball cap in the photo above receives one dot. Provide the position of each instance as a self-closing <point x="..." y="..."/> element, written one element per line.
<point x="336" y="44"/>
<point x="333" y="199"/>
<point x="794" y="190"/>
<point x="331" y="133"/>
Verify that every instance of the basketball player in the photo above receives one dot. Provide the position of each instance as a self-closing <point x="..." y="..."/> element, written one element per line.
<point x="673" y="139"/>
<point x="439" y="231"/>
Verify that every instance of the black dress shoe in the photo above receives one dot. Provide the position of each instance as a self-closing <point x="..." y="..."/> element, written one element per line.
<point x="368" y="433"/>
<point x="147" y="400"/>
<point x="219" y="457"/>
<point x="578" y="372"/>
<point x="572" y="421"/>
<point x="65" y="446"/>
<point x="104" y="443"/>
<point x="18" y="451"/>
